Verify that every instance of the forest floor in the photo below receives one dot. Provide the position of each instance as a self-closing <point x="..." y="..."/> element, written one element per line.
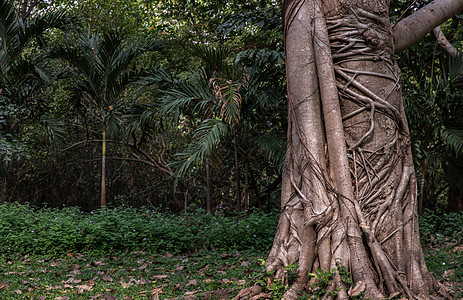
<point x="140" y="275"/>
<point x="135" y="275"/>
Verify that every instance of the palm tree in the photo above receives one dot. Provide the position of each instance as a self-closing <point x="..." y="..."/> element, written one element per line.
<point x="23" y="73"/>
<point x="106" y="65"/>
<point x="225" y="99"/>
<point x="435" y="110"/>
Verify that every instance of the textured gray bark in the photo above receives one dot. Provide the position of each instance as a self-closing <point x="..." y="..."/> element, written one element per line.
<point x="413" y="28"/>
<point x="348" y="189"/>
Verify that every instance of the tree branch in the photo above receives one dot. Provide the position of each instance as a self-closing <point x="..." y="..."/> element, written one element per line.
<point x="443" y="42"/>
<point x="411" y="29"/>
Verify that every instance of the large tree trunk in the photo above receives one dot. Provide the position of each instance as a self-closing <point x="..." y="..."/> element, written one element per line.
<point x="349" y="188"/>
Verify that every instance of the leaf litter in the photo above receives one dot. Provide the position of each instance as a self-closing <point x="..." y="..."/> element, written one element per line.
<point x="136" y="275"/>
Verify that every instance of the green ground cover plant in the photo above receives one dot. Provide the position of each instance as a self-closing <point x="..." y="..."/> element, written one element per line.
<point x="50" y="231"/>
<point x="139" y="253"/>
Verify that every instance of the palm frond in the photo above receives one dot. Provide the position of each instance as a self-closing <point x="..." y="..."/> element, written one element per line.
<point x="83" y="62"/>
<point x="194" y="94"/>
<point x="114" y="123"/>
<point x="228" y="93"/>
<point x="206" y="138"/>
<point x="141" y="121"/>
<point x="27" y="77"/>
<point x="9" y="27"/>
<point x="55" y="130"/>
<point x="273" y="147"/>
<point x="456" y="70"/>
<point x="33" y="27"/>
<point x="453" y="139"/>
<point x="214" y="59"/>
<point x="123" y="54"/>
<point x="154" y="76"/>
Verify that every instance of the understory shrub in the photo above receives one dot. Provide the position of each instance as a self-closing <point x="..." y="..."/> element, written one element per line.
<point x="439" y="228"/>
<point x="24" y="229"/>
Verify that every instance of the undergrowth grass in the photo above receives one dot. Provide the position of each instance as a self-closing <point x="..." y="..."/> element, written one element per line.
<point x="26" y="230"/>
<point x="135" y="253"/>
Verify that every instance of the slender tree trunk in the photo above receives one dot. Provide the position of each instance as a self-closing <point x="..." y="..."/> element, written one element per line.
<point x="246" y="186"/>
<point x="237" y="177"/>
<point x="257" y="194"/>
<point x="208" y="188"/>
<point x="422" y="181"/>
<point x="103" y="170"/>
<point x="348" y="190"/>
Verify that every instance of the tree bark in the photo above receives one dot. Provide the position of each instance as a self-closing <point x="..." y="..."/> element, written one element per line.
<point x="413" y="28"/>
<point x="348" y="190"/>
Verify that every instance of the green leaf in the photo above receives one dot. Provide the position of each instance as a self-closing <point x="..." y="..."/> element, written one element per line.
<point x="453" y="139"/>
<point x="206" y="138"/>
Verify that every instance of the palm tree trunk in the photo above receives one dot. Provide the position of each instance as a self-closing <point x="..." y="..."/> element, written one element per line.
<point x="208" y="188"/>
<point x="421" y="198"/>
<point x="246" y="186"/>
<point x="103" y="170"/>
<point x="237" y="178"/>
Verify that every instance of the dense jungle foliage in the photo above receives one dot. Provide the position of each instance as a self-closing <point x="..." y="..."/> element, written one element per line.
<point x="168" y="104"/>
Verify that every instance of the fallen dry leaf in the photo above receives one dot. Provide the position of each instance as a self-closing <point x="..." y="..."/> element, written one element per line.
<point x="191" y="293"/>
<point x="109" y="297"/>
<point x="142" y="281"/>
<point x="19" y="292"/>
<point x="192" y="282"/>
<point x="261" y="296"/>
<point x="126" y="285"/>
<point x="240" y="282"/>
<point x="246" y="263"/>
<point x="162" y="276"/>
<point x="4" y="286"/>
<point x="142" y="267"/>
<point x="73" y="280"/>
<point x="106" y="277"/>
<point x="156" y="290"/>
<point x="74" y="267"/>
<point x="83" y="287"/>
<point x="448" y="273"/>
<point x="99" y="262"/>
<point x="74" y="272"/>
